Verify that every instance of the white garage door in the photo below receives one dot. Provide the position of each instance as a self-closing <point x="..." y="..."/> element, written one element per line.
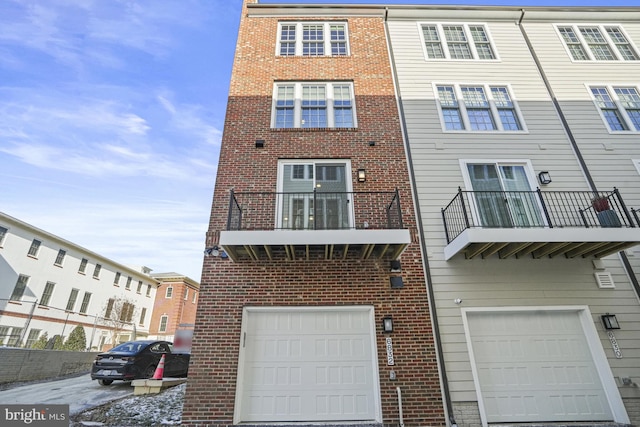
<point x="301" y="365"/>
<point x="535" y="366"/>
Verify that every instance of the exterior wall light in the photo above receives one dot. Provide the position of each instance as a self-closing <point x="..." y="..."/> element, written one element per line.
<point x="362" y="175"/>
<point x="396" y="267"/>
<point x="610" y="321"/>
<point x="544" y="178"/>
<point x="387" y="325"/>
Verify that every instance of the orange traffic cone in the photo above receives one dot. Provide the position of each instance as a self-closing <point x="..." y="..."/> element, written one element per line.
<point x="159" y="373"/>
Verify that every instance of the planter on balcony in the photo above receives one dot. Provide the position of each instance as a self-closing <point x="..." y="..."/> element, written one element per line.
<point x="600" y="204"/>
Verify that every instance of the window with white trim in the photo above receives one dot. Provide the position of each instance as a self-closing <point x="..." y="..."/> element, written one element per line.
<point x="47" y="293"/>
<point x="164" y="319"/>
<point x="597" y="43"/>
<point x="128" y="285"/>
<point x="143" y="314"/>
<point x="313" y="39"/>
<point x="457" y="41"/>
<point x="3" y="233"/>
<point x="116" y="280"/>
<point x="313" y="105"/>
<point x="18" y="290"/>
<point x="478" y="108"/>
<point x="60" y="257"/>
<point x="96" y="271"/>
<point x="72" y="299"/>
<point x="83" y="265"/>
<point x="619" y="106"/>
<point x="34" y="248"/>
<point x="169" y="292"/>
<point x="85" y="302"/>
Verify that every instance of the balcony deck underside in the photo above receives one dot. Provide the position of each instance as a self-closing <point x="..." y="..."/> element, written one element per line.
<point x="273" y="245"/>
<point x="542" y="243"/>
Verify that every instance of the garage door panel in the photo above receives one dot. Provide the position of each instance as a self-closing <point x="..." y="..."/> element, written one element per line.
<point x="535" y="366"/>
<point x="308" y="366"/>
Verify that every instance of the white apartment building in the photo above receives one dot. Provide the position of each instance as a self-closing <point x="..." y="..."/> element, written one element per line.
<point x="50" y="285"/>
<point x="523" y="127"/>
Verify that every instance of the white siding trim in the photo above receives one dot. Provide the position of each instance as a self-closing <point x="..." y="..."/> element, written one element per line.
<point x="593" y="341"/>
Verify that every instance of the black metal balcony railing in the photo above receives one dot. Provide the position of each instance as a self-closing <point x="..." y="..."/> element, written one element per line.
<point x="314" y="211"/>
<point x="534" y="209"/>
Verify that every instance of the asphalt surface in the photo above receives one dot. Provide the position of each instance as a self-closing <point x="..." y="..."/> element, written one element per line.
<point x="79" y="392"/>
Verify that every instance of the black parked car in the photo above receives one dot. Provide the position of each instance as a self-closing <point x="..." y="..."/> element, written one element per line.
<point x="138" y="359"/>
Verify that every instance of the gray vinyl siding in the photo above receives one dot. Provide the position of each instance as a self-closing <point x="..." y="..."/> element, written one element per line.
<point x="435" y="157"/>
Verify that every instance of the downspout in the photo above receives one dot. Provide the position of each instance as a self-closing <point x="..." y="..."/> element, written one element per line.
<point x="400" y="416"/>
<point x="623" y="256"/>
<point x="444" y="383"/>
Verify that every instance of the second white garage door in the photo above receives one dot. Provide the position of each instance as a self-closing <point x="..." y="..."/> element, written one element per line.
<point x="535" y="366"/>
<point x="308" y="364"/>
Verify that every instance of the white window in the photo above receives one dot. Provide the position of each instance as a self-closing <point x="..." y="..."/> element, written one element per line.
<point x="72" y="299"/>
<point x="320" y="202"/>
<point x="503" y="193"/>
<point x="597" y="43"/>
<point x="312" y="39"/>
<point x="116" y="280"/>
<point x="186" y="294"/>
<point x="169" y="292"/>
<point x="60" y="257"/>
<point x="128" y="285"/>
<point x="32" y="338"/>
<point x="143" y="314"/>
<point x="139" y="289"/>
<point x="18" y="290"/>
<point x="313" y="105"/>
<point x="478" y="108"/>
<point x="164" y="319"/>
<point x="3" y="233"/>
<point x="34" y="248"/>
<point x="195" y="294"/>
<point x="85" y="302"/>
<point x="83" y="265"/>
<point x="96" y="271"/>
<point x="148" y="290"/>
<point x="457" y="41"/>
<point x="47" y="293"/>
<point x="619" y="106"/>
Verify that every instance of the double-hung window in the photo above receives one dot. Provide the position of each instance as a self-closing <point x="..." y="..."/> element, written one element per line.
<point x="597" y="43"/>
<point x="85" y="302"/>
<point x="313" y="105"/>
<point x="619" y="106"/>
<point x="60" y="257"/>
<point x="34" y="248"/>
<point x="72" y="299"/>
<point x="18" y="290"/>
<point x="313" y="39"/>
<point x="477" y="108"/>
<point x="457" y="41"/>
<point x="47" y="293"/>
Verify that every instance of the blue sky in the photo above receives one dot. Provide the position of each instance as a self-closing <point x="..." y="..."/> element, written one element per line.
<point x="111" y="115"/>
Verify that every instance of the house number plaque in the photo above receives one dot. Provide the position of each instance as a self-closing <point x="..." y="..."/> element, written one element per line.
<point x="614" y="344"/>
<point x="390" y="360"/>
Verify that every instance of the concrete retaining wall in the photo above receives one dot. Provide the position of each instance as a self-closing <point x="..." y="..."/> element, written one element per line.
<point x="19" y="364"/>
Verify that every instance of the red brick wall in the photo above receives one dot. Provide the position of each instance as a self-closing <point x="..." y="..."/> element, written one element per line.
<point x="176" y="308"/>
<point x="227" y="287"/>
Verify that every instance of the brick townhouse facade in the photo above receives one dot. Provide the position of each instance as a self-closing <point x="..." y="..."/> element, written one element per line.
<point x="312" y="209"/>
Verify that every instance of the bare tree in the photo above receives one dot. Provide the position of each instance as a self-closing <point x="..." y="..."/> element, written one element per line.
<point x="118" y="314"/>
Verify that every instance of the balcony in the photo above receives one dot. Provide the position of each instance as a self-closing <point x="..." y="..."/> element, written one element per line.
<point x="314" y="225"/>
<point x="538" y="224"/>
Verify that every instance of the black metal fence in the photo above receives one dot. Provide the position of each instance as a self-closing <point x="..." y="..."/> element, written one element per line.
<point x="531" y="209"/>
<point x="314" y="211"/>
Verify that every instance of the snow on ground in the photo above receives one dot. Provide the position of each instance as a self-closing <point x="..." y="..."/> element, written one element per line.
<point x="163" y="409"/>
